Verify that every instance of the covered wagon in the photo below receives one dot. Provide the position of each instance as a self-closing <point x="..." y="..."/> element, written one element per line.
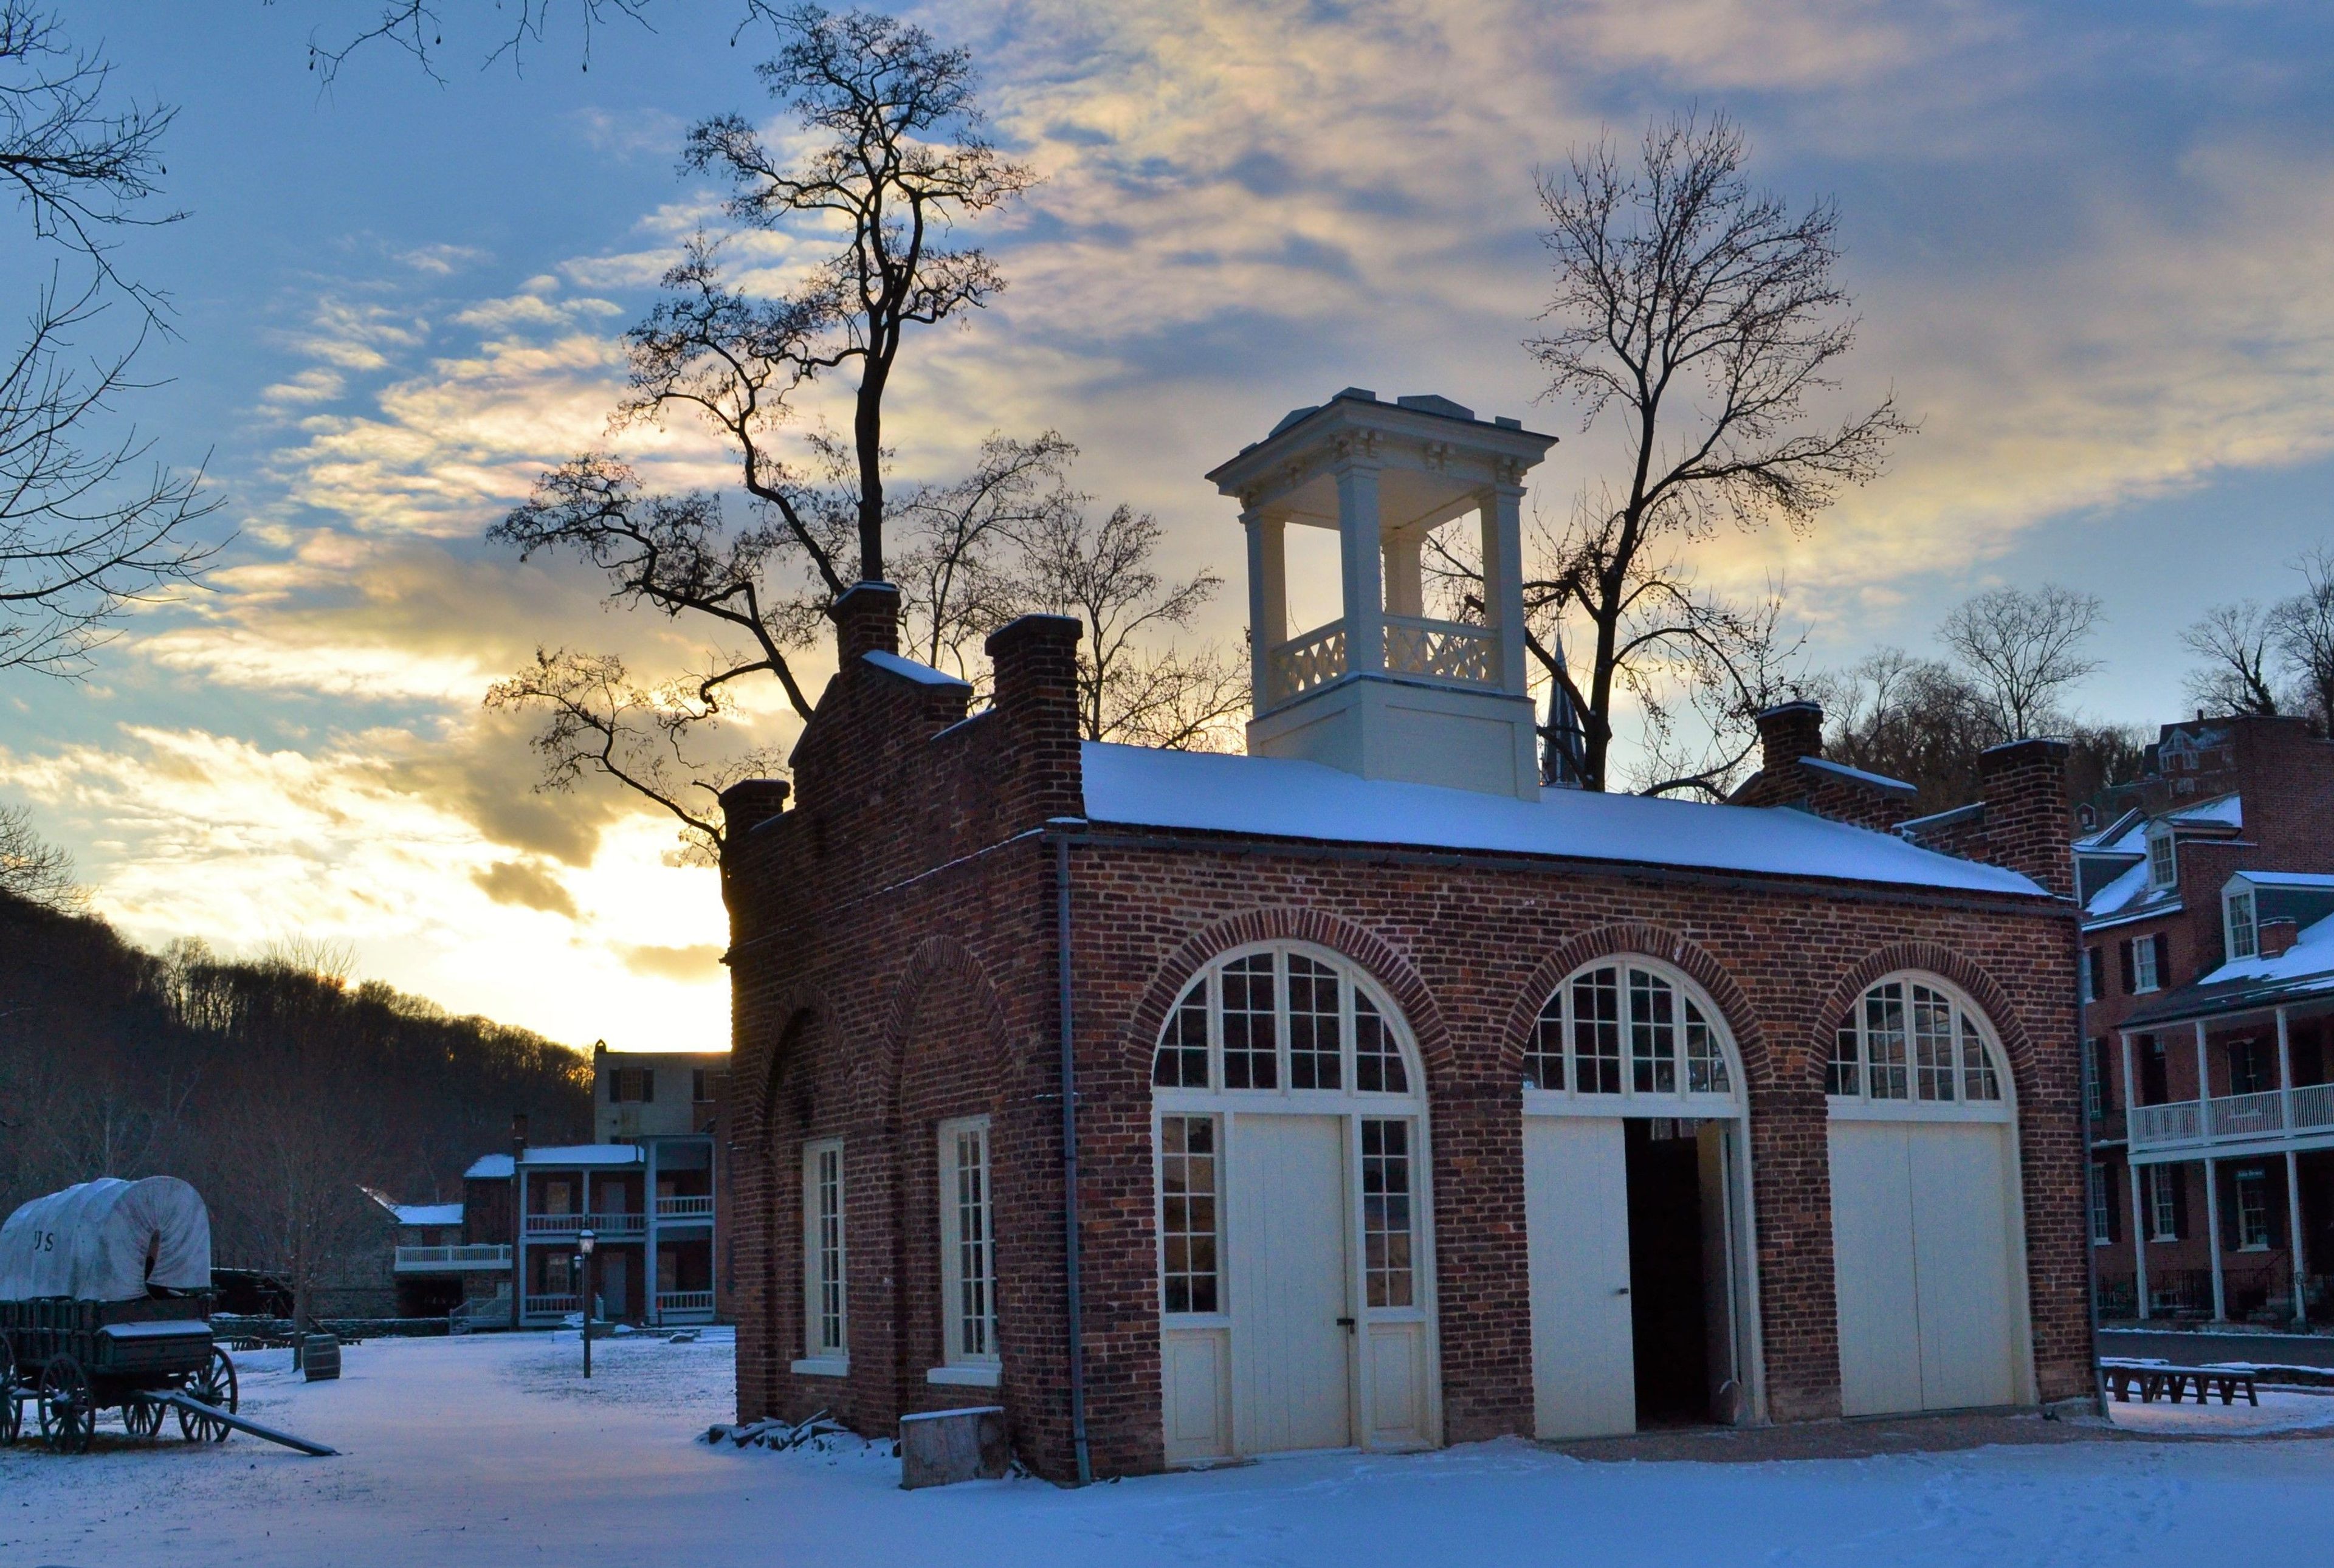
<point x="105" y="1305"/>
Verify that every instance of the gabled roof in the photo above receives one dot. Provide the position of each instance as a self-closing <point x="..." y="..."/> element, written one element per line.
<point x="1881" y="781"/>
<point x="490" y="1168"/>
<point x="2303" y="972"/>
<point x="2130" y="897"/>
<point x="1281" y="798"/>
<point x="2127" y="836"/>
<point x="2220" y="812"/>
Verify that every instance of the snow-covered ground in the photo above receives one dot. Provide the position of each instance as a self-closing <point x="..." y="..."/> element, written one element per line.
<point x="492" y="1450"/>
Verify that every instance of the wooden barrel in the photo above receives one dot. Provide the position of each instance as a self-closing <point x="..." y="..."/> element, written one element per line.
<point x="320" y="1357"/>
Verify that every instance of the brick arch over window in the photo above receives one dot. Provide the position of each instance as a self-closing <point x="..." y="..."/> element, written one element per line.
<point x="761" y="1114"/>
<point x="1371" y="953"/>
<point x="1652" y="942"/>
<point x="936" y="962"/>
<point x="2000" y="1013"/>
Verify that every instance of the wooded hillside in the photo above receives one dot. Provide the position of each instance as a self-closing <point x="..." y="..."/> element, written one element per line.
<point x="274" y="1087"/>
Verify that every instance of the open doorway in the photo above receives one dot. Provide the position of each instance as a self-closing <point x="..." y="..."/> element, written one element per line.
<point x="1677" y="1294"/>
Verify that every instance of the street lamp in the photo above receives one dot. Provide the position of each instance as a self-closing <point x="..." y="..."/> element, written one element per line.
<point x="584" y="1240"/>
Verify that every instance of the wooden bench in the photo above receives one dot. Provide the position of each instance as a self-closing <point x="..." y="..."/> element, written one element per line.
<point x="2154" y="1381"/>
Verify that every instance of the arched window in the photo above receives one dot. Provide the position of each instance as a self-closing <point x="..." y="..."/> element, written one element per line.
<point x="1628" y="1027"/>
<point x="1913" y="1039"/>
<point x="1283" y="1019"/>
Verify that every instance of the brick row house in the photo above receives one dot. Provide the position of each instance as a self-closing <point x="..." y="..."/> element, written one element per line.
<point x="2209" y="1027"/>
<point x="1358" y="1090"/>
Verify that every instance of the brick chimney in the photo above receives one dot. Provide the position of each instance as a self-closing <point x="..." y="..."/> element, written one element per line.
<point x="1036" y="662"/>
<point x="2027" y="825"/>
<point x="1788" y="732"/>
<point x="2277" y="935"/>
<point x="751" y="802"/>
<point x="866" y="620"/>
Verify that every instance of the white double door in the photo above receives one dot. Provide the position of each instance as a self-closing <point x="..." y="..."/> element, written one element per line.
<point x="1926" y="1267"/>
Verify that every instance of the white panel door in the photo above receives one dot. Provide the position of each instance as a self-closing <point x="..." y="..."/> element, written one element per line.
<point x="1961" y="1235"/>
<point x="1872" y="1270"/>
<point x="1288" y="1287"/>
<point x="1576" y="1227"/>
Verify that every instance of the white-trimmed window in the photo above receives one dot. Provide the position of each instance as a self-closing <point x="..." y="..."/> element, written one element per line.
<point x="1389" y="1271"/>
<point x="826" y="1345"/>
<point x="2102" y="1208"/>
<point x="1283" y="1021"/>
<point x="2163" y="1202"/>
<point x="1627" y="1026"/>
<point x="1191" y="1276"/>
<point x="2163" y="859"/>
<point x="2146" y="974"/>
<point x="1910" y="1040"/>
<point x="2252" y="1210"/>
<point x="968" y="1245"/>
<point x="2244" y="939"/>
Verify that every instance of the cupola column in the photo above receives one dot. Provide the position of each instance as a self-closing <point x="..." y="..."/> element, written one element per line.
<point x="1267" y="595"/>
<point x="1501" y="509"/>
<point x="1358" y="546"/>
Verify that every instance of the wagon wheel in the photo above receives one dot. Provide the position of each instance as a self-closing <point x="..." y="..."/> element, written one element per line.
<point x="68" y="1406"/>
<point x="214" y="1386"/>
<point x="11" y="1418"/>
<point x="141" y="1415"/>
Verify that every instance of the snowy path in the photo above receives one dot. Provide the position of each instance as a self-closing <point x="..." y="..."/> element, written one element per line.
<point x="491" y="1450"/>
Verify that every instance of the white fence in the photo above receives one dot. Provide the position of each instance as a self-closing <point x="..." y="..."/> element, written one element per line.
<point x="2233" y="1118"/>
<point x="452" y="1259"/>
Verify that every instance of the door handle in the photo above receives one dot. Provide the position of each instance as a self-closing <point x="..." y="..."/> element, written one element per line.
<point x="1346" y="1324"/>
<point x="1623" y="1291"/>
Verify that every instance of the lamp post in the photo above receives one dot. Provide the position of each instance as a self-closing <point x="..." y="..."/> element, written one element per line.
<point x="584" y="1240"/>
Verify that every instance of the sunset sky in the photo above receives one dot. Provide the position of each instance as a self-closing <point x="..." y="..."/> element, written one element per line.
<point x="2090" y="244"/>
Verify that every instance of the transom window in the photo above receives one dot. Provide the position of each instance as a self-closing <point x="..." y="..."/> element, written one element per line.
<point x="1912" y="1041"/>
<point x="1284" y="1020"/>
<point x="1626" y="1027"/>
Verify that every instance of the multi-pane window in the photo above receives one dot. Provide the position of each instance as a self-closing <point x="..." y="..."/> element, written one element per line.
<point x="1187" y="1229"/>
<point x="2251" y="1070"/>
<point x="1907" y="1041"/>
<point x="1315" y="1039"/>
<point x="1251" y="1049"/>
<point x="824" y="1325"/>
<point x="2162" y="860"/>
<point x="1280" y="1019"/>
<point x="1580" y="1036"/>
<point x="704" y="1085"/>
<point x="2094" y="1069"/>
<point x="2252" y="1210"/>
<point x="2102" y="1210"/>
<point x="1388" y="1213"/>
<point x="2146" y="971"/>
<point x="2163" y="1202"/>
<point x="2243" y="941"/>
<point x="967" y="1243"/>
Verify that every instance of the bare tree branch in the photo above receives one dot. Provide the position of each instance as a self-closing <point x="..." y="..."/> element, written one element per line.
<point x="2022" y="646"/>
<point x="2236" y="643"/>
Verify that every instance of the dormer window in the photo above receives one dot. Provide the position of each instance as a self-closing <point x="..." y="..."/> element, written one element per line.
<point x="2237" y="918"/>
<point x="2162" y="862"/>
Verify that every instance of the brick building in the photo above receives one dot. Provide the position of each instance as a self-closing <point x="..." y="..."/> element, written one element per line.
<point x="2209" y="1047"/>
<point x="1404" y="1101"/>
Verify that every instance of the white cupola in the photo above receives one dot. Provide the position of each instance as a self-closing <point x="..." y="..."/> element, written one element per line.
<point x="1383" y="691"/>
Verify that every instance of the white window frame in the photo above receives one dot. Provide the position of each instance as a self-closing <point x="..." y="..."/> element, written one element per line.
<point x="2145" y="976"/>
<point x="1682" y="1100"/>
<point x="963" y="1361"/>
<point x="2163" y="859"/>
<point x="2237" y="917"/>
<point x="2102" y="1209"/>
<point x="2163" y="1203"/>
<point x="2252" y="1210"/>
<point x="1861" y="1104"/>
<point x="824" y="1200"/>
<point x="2094" y="1092"/>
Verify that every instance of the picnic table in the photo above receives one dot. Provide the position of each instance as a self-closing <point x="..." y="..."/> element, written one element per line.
<point x="2154" y="1381"/>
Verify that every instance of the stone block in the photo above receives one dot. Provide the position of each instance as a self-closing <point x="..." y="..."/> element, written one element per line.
<point x="940" y="1447"/>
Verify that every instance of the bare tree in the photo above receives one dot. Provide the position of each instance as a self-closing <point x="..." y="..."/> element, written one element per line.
<point x="1705" y="315"/>
<point x="2236" y="643"/>
<point x="34" y="869"/>
<point x="1127" y="689"/>
<point x="2303" y="629"/>
<point x="2022" y="646"/>
<point x="89" y="522"/>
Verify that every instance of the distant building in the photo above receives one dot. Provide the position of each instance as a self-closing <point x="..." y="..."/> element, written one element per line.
<point x="2208" y="1019"/>
<point x="432" y="1267"/>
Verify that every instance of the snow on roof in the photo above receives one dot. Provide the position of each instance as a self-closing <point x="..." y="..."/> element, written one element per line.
<point x="2288" y="879"/>
<point x="1877" y="781"/>
<point x="2225" y="811"/>
<point x="585" y="1154"/>
<point x="2127" y="836"/>
<point x="909" y="669"/>
<point x="1277" y="797"/>
<point x="427" y="1213"/>
<point x="2111" y="898"/>
<point x="490" y="1168"/>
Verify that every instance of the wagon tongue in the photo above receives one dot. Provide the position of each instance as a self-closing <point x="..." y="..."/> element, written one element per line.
<point x="195" y="1406"/>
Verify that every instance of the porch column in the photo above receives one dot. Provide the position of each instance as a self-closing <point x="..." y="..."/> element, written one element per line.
<point x="2138" y="1231"/>
<point x="2204" y="1084"/>
<point x="649" y="1202"/>
<point x="1358" y="546"/>
<point x="2293" y="1231"/>
<point x="518" y="1244"/>
<point x="2213" y="1231"/>
<point x="1268" y="600"/>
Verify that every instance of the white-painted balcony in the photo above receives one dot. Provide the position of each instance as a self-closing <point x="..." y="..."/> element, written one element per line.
<point x="2271" y="1116"/>
<point x="453" y="1259"/>
<point x="684" y="1209"/>
<point x="1447" y="652"/>
<point x="604" y="1226"/>
<point x="675" y="1304"/>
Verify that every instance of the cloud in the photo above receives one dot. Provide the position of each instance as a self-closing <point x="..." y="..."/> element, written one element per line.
<point x="440" y="260"/>
<point x="700" y="962"/>
<point x="529" y="886"/>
